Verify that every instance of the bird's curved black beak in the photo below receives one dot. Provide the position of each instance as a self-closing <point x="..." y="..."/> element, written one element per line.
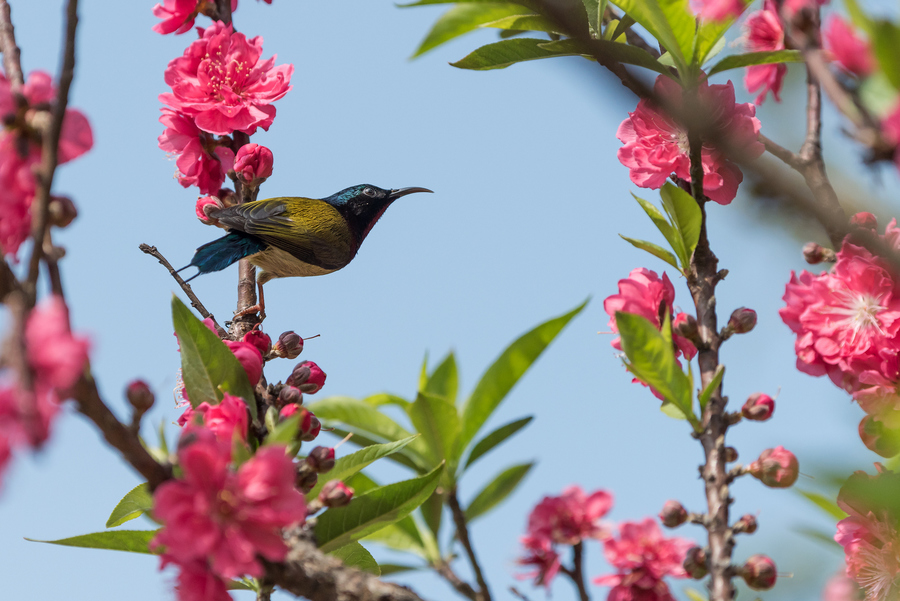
<point x="395" y="194"/>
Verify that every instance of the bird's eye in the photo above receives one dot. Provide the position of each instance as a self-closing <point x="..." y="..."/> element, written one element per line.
<point x="369" y="192"/>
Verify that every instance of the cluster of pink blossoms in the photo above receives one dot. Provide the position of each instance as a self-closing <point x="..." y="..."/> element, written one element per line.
<point x="178" y="15"/>
<point x="847" y="322"/>
<point x="219" y="86"/>
<point x="20" y="152"/>
<point x="763" y="32"/>
<point x="655" y="147"/>
<point x="56" y="359"/>
<point x="640" y="554"/>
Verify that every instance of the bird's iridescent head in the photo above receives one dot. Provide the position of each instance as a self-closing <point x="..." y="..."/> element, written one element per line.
<point x="364" y="204"/>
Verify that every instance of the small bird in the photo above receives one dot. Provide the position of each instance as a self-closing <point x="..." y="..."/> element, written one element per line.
<point x="295" y="237"/>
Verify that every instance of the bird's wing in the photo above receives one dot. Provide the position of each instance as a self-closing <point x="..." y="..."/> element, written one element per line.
<point x="311" y="230"/>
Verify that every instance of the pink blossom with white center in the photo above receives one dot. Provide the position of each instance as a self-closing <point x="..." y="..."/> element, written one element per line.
<point x="539" y="552"/>
<point x="642" y="558"/>
<point x="227" y="518"/>
<point x="853" y="53"/>
<point x="202" y="161"/>
<point x="655" y="147"/>
<point x="222" y="84"/>
<point x="763" y="32"/>
<point x="571" y="517"/>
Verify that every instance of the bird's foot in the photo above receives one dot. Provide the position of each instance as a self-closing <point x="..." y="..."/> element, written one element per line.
<point x="251" y="310"/>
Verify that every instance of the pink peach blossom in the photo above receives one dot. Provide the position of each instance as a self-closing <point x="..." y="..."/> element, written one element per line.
<point x="225" y="419"/>
<point x="851" y="52"/>
<point x="763" y="32"/>
<point x="571" y="517"/>
<point x="177" y="15"/>
<point x="221" y="83"/>
<point x="539" y="552"/>
<point x="197" y="583"/>
<point x="202" y="161"/>
<point x="227" y="518"/>
<point x="655" y="146"/>
<point x="56" y="356"/>
<point x="249" y="356"/>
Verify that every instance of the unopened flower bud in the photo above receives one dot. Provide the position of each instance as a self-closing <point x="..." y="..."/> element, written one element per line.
<point x="878" y="438"/>
<point x="759" y="407"/>
<point x="685" y="325"/>
<point x="290" y="395"/>
<point x="696" y="563"/>
<point x="673" y="514"/>
<point x="759" y="573"/>
<point x="253" y="164"/>
<point x="61" y="211"/>
<point x="335" y="494"/>
<point x="308" y="427"/>
<point x="742" y="320"/>
<point x="815" y="254"/>
<point x="228" y="197"/>
<point x="731" y="455"/>
<point x="261" y="341"/>
<point x="747" y="524"/>
<point x="289" y="345"/>
<point x="307" y="480"/>
<point x="204" y="206"/>
<point x="321" y="459"/>
<point x="776" y="468"/>
<point x="140" y="396"/>
<point x="865" y="221"/>
<point x="308" y="377"/>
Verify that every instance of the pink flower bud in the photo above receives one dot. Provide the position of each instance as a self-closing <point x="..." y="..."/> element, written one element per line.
<point x="261" y="341"/>
<point x="139" y="395"/>
<point x="685" y="325"/>
<point x="776" y="468"/>
<point x="759" y="573"/>
<point x="731" y="454"/>
<point x="290" y="396"/>
<point x="206" y="204"/>
<point x="208" y="322"/>
<point x="759" y="407"/>
<point x="250" y="358"/>
<point x="321" y="459"/>
<point x="866" y="221"/>
<point x="696" y="563"/>
<point x="308" y="377"/>
<point x="742" y="320"/>
<point x="335" y="494"/>
<point x="61" y="211"/>
<point x="253" y="164"/>
<point x="307" y="480"/>
<point x="673" y="514"/>
<point x="308" y="427"/>
<point x="747" y="524"/>
<point x="288" y="345"/>
<point x="878" y="438"/>
<point x="289" y="410"/>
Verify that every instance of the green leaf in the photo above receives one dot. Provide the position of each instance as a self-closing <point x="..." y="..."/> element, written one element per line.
<point x="134" y="541"/>
<point x="506" y="370"/>
<point x="207" y="365"/>
<point x="433" y="513"/>
<point x="361" y="483"/>
<point x="595" y="10"/>
<point x="347" y="466"/>
<point x="356" y="556"/>
<point x="241" y="585"/>
<point x="138" y="501"/>
<point x="711" y="38"/>
<point x="695" y="595"/>
<point x="623" y="25"/>
<point x="662" y="224"/>
<point x="651" y="359"/>
<point x="463" y="18"/>
<point x="669" y="21"/>
<point x="396" y="568"/>
<point x="438" y="422"/>
<point x="362" y="441"/>
<point x="504" y="53"/>
<point x="497" y="490"/>
<point x="885" y="41"/>
<point x="711" y="387"/>
<point x="444" y="380"/>
<point x="373" y="510"/>
<point x="402" y="535"/>
<point x="824" y="503"/>
<point x="859" y="18"/>
<point x="630" y="55"/>
<point x="654" y="249"/>
<point x="285" y="432"/>
<point x="520" y="22"/>
<point x="686" y="219"/>
<point x="737" y="61"/>
<point x="878" y="95"/>
<point x="384" y="398"/>
<point x="486" y="444"/>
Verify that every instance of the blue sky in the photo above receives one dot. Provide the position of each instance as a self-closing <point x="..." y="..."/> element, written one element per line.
<point x="529" y="199"/>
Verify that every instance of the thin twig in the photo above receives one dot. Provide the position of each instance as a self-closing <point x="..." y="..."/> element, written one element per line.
<point x="462" y="533"/>
<point x="52" y="254"/>
<point x="576" y="573"/>
<point x="789" y="158"/>
<point x="12" y="64"/>
<point x="461" y="586"/>
<point x="195" y="302"/>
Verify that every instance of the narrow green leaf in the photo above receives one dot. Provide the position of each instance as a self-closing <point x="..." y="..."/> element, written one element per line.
<point x="859" y="18"/>
<point x="134" y="541"/>
<point x="885" y="41"/>
<point x="662" y="224"/>
<point x="711" y="387"/>
<point x="877" y="94"/>
<point x="630" y="55"/>
<point x="504" y="53"/>
<point x="623" y="25"/>
<point x="824" y="503"/>
<point x="136" y="502"/>
<point x="207" y="365"/>
<point x="347" y="466"/>
<point x="395" y="568"/>
<point x="444" y="380"/>
<point x="685" y="216"/>
<point x="595" y="10"/>
<point x="356" y="556"/>
<point x="695" y="595"/>
<point x="737" y="61"/>
<point x="489" y="442"/>
<point x="654" y="249"/>
<point x="241" y="585"/>
<point x="402" y="535"/>
<point x="711" y="38"/>
<point x="285" y="432"/>
<point x="438" y="422"/>
<point x="497" y="490"/>
<point x="503" y="374"/>
<point x="463" y="18"/>
<point x="520" y="22"/>
<point x="373" y="510"/>
<point x="383" y="398"/>
<point x="361" y="483"/>
<point x="655" y="16"/>
<point x="423" y="373"/>
<point x="362" y="441"/>
<point x="433" y="513"/>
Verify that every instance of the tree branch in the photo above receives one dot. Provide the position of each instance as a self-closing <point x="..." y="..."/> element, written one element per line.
<point x="576" y="573"/>
<point x="462" y="533"/>
<point x="12" y="64"/>
<point x="461" y="586"/>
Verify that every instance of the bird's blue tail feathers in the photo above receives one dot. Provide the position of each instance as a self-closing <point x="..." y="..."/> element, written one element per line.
<point x="221" y="253"/>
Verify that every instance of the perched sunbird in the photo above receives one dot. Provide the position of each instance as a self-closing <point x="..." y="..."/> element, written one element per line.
<point x="296" y="237"/>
